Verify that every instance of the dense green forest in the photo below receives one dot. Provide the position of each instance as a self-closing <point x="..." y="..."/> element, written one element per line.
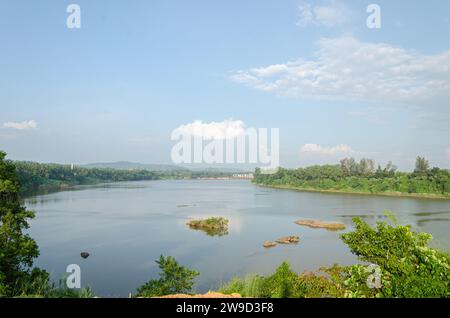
<point x="34" y="176"/>
<point x="362" y="177"/>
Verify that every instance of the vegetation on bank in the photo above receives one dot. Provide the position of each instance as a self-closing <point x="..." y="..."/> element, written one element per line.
<point x="212" y="226"/>
<point x="35" y="176"/>
<point x="173" y="279"/>
<point x="352" y="177"/>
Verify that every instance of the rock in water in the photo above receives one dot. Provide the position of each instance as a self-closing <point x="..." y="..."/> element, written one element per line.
<point x="84" y="254"/>
<point x="288" y="239"/>
<point x="269" y="244"/>
<point x="335" y="226"/>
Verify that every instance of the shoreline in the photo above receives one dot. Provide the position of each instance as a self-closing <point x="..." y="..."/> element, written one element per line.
<point x="428" y="196"/>
<point x="45" y="189"/>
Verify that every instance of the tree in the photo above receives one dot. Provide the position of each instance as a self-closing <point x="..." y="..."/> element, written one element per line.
<point x="17" y="250"/>
<point x="366" y="166"/>
<point x="390" y="168"/>
<point x="422" y="165"/>
<point x="349" y="166"/>
<point x="173" y="279"/>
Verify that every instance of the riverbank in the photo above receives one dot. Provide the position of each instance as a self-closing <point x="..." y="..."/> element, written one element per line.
<point x="430" y="196"/>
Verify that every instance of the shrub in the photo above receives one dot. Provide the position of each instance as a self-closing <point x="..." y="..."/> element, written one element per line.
<point x="409" y="267"/>
<point x="173" y="279"/>
<point x="317" y="285"/>
<point x="281" y="284"/>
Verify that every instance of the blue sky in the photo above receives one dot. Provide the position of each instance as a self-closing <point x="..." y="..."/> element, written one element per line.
<point x="136" y="70"/>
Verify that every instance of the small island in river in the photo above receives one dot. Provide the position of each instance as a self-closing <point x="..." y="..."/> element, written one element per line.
<point x="213" y="226"/>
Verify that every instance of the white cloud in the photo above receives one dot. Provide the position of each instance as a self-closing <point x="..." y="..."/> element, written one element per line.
<point x="24" y="125"/>
<point x="327" y="151"/>
<point x="226" y="129"/>
<point x="348" y="69"/>
<point x="448" y="151"/>
<point x="331" y="15"/>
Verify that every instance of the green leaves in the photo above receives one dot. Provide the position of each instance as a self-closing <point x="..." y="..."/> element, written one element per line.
<point x="409" y="267"/>
<point x="173" y="279"/>
<point x="360" y="177"/>
<point x="281" y="284"/>
<point x="18" y="250"/>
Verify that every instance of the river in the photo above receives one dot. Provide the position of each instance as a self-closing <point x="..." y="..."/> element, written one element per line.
<point x="126" y="226"/>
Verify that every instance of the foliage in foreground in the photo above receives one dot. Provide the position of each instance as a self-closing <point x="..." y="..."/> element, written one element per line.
<point x="408" y="266"/>
<point x="173" y="279"/>
<point x="285" y="283"/>
<point x="17" y="249"/>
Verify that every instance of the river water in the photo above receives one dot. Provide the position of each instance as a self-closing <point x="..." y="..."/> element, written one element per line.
<point x="126" y="226"/>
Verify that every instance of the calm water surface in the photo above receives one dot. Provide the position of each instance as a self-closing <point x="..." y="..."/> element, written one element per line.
<point x="126" y="226"/>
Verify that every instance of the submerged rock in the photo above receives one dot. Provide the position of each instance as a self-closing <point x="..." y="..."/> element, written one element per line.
<point x="335" y="226"/>
<point x="84" y="255"/>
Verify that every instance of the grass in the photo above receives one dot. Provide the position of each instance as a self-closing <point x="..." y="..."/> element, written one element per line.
<point x="285" y="283"/>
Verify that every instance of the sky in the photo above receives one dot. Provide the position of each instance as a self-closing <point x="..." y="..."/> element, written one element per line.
<point x="135" y="71"/>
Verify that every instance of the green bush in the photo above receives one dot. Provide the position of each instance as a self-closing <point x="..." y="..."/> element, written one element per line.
<point x="285" y="283"/>
<point x="281" y="284"/>
<point x="320" y="285"/>
<point x="409" y="267"/>
<point x="174" y="279"/>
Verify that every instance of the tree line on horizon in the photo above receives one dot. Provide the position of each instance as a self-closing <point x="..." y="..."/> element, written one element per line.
<point x="34" y="176"/>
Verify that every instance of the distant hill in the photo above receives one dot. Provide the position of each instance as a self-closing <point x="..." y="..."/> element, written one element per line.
<point x="125" y="165"/>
